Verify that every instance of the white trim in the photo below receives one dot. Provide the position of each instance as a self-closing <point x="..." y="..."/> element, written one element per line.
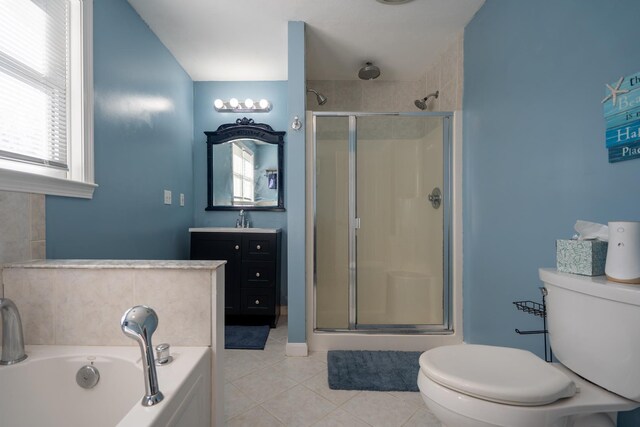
<point x="87" y="94"/>
<point x="297" y="349"/>
<point x="32" y="183"/>
<point x="456" y="222"/>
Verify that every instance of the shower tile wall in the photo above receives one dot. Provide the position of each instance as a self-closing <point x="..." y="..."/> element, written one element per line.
<point x="445" y="75"/>
<point x="22" y="227"/>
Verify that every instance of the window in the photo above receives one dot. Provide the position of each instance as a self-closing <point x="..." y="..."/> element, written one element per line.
<point x="46" y="142"/>
<point x="243" y="164"/>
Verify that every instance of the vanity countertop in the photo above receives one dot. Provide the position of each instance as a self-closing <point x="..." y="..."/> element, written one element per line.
<point x="232" y="230"/>
<point x="118" y="264"/>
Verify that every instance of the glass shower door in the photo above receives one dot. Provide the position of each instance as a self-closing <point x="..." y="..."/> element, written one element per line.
<point x="400" y="263"/>
<point x="332" y="272"/>
<point x="382" y="209"/>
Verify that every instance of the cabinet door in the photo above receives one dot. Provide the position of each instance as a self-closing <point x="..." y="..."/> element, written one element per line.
<point x="222" y="246"/>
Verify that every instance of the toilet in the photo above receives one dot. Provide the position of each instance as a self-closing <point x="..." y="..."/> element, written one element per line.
<point x="593" y="329"/>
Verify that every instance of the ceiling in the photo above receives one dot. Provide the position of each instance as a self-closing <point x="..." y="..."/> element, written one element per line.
<point x="244" y="40"/>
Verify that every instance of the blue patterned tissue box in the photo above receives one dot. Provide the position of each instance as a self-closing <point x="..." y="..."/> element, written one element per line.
<point x="586" y="257"/>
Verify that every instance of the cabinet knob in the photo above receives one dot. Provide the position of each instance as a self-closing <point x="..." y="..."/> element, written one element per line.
<point x="237" y="247"/>
<point x="258" y="247"/>
<point x="257" y="274"/>
<point x="257" y="301"/>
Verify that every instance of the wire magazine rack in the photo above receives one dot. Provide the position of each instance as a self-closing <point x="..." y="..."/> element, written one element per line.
<point x="539" y="310"/>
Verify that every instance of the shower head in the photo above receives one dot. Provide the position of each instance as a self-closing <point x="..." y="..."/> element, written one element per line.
<point x="369" y="72"/>
<point x="319" y="97"/>
<point x="422" y="103"/>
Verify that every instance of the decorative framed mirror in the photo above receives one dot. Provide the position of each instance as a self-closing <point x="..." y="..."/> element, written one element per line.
<point x="245" y="167"/>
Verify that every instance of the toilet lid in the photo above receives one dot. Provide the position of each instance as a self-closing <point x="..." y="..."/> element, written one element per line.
<point x="498" y="374"/>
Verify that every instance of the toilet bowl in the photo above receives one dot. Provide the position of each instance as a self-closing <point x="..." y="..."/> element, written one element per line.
<point x="511" y="390"/>
<point x="592" y="326"/>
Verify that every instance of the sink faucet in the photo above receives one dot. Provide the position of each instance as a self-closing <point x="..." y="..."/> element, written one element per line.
<point x="12" y="338"/>
<point x="242" y="221"/>
<point x="139" y="323"/>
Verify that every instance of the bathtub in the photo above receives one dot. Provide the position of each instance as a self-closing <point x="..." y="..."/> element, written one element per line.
<point x="42" y="390"/>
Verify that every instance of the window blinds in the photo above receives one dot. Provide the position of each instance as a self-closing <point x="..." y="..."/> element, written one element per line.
<point x="34" y="68"/>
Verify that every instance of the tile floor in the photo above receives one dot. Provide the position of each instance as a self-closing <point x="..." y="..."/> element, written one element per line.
<point x="266" y="388"/>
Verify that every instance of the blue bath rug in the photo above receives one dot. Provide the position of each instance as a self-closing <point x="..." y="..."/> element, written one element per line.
<point x="373" y="370"/>
<point x="245" y="337"/>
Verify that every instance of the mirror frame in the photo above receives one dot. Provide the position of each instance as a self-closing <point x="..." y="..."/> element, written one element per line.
<point x="245" y="129"/>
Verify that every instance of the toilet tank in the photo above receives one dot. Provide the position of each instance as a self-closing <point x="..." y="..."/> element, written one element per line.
<point x="594" y="329"/>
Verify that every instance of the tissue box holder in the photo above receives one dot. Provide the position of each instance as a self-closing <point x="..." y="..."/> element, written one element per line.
<point x="586" y="257"/>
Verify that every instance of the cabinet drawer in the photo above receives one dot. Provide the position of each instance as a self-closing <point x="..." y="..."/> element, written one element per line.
<point x="215" y="246"/>
<point x="257" y="301"/>
<point x="259" y="247"/>
<point x="258" y="274"/>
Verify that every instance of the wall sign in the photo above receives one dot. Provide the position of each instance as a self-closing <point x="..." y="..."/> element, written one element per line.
<point x="622" y="113"/>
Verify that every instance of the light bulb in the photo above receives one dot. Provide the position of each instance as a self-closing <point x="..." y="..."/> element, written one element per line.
<point x="233" y="102"/>
<point x="218" y="103"/>
<point x="264" y="103"/>
<point x="248" y="103"/>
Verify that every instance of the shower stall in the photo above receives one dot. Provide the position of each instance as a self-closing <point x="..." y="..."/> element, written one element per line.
<point x="381" y="202"/>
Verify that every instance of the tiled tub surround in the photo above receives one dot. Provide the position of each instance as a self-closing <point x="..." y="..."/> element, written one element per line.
<point x="22" y="226"/>
<point x="81" y="302"/>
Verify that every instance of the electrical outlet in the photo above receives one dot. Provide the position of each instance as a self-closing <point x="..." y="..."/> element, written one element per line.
<point x="167" y="197"/>
<point x="181" y="199"/>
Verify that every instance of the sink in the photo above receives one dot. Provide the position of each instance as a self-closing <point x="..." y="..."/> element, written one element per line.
<point x="232" y="230"/>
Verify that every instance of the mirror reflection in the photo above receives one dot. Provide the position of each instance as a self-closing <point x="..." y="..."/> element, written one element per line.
<point x="245" y="173"/>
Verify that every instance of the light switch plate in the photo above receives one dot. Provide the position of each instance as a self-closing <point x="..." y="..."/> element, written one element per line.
<point x="167" y="197"/>
<point x="181" y="199"/>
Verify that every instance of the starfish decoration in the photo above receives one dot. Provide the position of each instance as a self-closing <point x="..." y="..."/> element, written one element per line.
<point x="615" y="91"/>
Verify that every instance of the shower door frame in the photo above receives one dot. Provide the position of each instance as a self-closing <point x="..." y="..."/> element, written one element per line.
<point x="447" y="192"/>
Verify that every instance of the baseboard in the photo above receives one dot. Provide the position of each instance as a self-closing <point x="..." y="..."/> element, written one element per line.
<point x="297" y="349"/>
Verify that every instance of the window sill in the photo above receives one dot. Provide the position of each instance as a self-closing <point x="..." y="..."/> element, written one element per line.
<point x="32" y="183"/>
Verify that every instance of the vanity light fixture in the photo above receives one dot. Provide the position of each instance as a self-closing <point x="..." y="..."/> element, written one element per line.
<point x="248" y="106"/>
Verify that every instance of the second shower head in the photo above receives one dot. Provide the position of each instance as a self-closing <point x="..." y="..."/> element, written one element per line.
<point x="422" y="103"/>
<point x="319" y="97"/>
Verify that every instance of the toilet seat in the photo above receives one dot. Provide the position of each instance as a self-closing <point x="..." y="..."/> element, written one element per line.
<point x="497" y="374"/>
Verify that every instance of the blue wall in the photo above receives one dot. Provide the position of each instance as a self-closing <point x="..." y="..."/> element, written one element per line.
<point x="143" y="145"/>
<point x="295" y="179"/>
<point x="205" y="119"/>
<point x="534" y="155"/>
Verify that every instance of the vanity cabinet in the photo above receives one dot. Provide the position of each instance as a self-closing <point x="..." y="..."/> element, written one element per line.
<point x="252" y="272"/>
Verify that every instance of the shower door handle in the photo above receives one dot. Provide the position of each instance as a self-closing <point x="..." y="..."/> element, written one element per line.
<point x="435" y="198"/>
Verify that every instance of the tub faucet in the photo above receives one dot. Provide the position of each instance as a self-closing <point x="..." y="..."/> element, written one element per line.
<point x="139" y="323"/>
<point x="12" y="338"/>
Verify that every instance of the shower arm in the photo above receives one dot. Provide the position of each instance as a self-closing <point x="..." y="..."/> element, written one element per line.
<point x="434" y="94"/>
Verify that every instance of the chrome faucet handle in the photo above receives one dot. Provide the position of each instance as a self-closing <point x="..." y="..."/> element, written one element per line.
<point x="163" y="354"/>
<point x="139" y="323"/>
<point x="12" y="337"/>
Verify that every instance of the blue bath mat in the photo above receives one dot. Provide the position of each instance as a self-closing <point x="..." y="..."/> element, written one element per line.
<point x="373" y="370"/>
<point x="245" y="337"/>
